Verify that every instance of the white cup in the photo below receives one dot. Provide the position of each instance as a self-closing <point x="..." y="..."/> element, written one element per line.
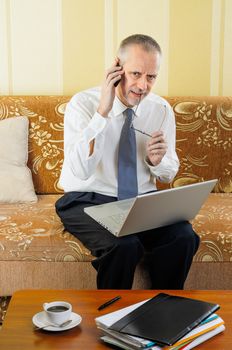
<point x="57" y="312"/>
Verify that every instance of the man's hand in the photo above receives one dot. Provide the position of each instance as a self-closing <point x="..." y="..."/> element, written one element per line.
<point x="156" y="148"/>
<point x="108" y="89"/>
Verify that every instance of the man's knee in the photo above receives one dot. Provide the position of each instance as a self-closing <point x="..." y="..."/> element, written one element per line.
<point x="125" y="251"/>
<point x="130" y="245"/>
<point x="187" y="235"/>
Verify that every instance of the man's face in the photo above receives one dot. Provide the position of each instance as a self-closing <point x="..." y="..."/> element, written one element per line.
<point x="141" y="69"/>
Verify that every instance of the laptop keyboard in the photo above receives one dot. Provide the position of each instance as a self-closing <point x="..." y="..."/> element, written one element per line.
<point x="118" y="218"/>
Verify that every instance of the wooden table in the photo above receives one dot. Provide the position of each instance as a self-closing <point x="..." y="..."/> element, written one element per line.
<point x="18" y="331"/>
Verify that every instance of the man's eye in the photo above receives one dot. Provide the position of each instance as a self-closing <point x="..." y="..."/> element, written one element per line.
<point x="151" y="77"/>
<point x="136" y="74"/>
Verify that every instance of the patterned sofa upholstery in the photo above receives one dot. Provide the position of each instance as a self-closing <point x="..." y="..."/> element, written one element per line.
<point x="36" y="251"/>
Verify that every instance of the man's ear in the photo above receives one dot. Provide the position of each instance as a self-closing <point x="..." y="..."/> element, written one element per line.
<point x="117" y="60"/>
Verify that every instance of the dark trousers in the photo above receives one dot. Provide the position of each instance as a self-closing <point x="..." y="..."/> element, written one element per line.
<point x="168" y="251"/>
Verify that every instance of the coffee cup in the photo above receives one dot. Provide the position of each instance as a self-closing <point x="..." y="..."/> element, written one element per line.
<point x="57" y="312"/>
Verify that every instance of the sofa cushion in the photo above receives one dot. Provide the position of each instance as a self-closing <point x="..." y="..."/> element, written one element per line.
<point x="15" y="177"/>
<point x="33" y="232"/>
<point x="214" y="225"/>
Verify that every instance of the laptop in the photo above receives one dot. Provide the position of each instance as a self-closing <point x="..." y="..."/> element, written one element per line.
<point x="152" y="210"/>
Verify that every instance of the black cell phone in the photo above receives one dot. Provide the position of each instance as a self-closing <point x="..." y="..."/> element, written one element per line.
<point x="117" y="82"/>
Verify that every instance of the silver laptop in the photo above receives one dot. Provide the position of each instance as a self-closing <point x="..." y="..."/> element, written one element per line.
<point x="152" y="210"/>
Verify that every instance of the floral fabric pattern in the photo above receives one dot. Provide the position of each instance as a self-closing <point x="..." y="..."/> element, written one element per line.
<point x="204" y="140"/>
<point x="33" y="231"/>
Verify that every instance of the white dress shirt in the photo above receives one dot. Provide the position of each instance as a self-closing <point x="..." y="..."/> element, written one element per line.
<point x="98" y="172"/>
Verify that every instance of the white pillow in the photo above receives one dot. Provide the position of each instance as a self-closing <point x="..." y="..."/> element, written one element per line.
<point x="15" y="177"/>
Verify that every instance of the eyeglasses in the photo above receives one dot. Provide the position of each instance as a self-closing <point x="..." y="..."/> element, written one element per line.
<point x="143" y="132"/>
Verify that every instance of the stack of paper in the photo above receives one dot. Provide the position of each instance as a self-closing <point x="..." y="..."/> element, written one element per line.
<point x="211" y="326"/>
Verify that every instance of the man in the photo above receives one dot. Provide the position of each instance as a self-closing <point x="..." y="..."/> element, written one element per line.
<point x="92" y="172"/>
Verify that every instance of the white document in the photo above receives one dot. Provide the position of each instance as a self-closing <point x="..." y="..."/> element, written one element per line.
<point x="197" y="341"/>
<point x="104" y="322"/>
<point x="204" y="337"/>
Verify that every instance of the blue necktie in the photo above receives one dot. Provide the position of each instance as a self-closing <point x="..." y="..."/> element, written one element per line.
<point x="127" y="160"/>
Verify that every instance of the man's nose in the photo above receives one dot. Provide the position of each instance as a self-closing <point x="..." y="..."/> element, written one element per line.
<point x="142" y="84"/>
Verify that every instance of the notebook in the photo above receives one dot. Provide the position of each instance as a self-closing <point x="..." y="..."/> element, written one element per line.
<point x="152" y="210"/>
<point x="165" y="318"/>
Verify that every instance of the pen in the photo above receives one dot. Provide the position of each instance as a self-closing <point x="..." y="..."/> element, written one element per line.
<point x="111" y="301"/>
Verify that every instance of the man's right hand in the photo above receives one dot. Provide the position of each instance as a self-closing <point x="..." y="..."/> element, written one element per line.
<point x="113" y="74"/>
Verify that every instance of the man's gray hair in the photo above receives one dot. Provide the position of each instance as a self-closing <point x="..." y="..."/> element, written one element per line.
<point x="145" y="41"/>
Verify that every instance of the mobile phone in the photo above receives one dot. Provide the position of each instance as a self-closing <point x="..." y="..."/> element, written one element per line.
<point x="117" y="82"/>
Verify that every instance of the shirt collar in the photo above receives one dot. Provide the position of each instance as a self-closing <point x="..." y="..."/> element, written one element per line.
<point x="119" y="108"/>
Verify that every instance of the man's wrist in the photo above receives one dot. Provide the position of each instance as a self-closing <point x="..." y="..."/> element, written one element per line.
<point x="102" y="112"/>
<point x="150" y="163"/>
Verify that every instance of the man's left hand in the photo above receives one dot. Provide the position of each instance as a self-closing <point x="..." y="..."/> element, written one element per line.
<point x="156" y="148"/>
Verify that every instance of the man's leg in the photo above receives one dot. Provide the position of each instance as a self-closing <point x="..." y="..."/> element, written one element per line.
<point x="116" y="258"/>
<point x="170" y="251"/>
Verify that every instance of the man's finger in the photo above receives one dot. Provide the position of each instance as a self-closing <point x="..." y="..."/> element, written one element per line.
<point x="112" y="70"/>
<point x="114" y="75"/>
<point x="157" y="134"/>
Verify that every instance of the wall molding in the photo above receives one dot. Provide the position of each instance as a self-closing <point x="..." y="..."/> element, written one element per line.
<point x="60" y="72"/>
<point x="227" y="53"/>
<point x="215" y="48"/>
<point x="5" y="49"/>
<point x="109" y="33"/>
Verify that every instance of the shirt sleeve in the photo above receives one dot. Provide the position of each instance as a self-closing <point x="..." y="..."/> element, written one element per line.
<point x="166" y="170"/>
<point x="82" y="124"/>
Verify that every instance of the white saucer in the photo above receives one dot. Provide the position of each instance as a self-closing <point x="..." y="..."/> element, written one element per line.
<point x="39" y="320"/>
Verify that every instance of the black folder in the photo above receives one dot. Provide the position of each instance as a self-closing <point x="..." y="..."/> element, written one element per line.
<point x="165" y="318"/>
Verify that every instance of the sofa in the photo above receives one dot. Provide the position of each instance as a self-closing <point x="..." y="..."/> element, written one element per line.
<point x="36" y="251"/>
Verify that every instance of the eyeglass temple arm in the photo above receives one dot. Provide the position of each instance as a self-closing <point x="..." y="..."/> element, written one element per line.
<point x="145" y="133"/>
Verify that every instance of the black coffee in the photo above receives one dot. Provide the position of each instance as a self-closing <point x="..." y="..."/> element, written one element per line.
<point x="57" y="308"/>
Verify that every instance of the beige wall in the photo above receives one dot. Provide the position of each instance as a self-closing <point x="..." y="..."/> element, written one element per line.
<point x="64" y="46"/>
